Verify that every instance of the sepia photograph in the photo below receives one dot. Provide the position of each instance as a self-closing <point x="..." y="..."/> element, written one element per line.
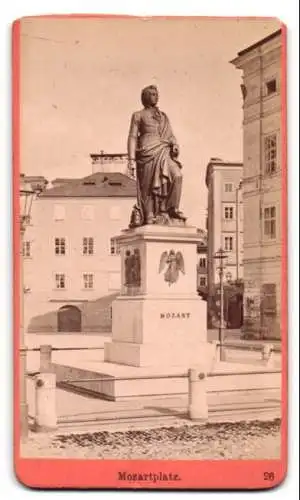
<point x="150" y="179"/>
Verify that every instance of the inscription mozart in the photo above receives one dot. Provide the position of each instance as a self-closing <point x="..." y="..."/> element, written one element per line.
<point x="174" y="315"/>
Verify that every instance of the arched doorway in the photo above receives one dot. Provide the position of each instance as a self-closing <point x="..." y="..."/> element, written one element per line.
<point x="69" y="319"/>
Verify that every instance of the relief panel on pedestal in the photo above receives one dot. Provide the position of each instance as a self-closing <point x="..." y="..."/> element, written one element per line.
<point x="131" y="271"/>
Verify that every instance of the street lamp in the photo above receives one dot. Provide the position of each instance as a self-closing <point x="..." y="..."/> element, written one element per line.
<point x="220" y="256"/>
<point x="26" y="198"/>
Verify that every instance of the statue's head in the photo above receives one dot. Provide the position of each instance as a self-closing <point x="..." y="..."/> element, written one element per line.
<point x="149" y="96"/>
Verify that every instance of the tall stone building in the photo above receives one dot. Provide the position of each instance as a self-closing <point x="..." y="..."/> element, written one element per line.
<point x="224" y="225"/>
<point x="225" y="217"/>
<point x="261" y="66"/>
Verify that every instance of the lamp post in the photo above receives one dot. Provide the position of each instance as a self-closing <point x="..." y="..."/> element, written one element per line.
<point x="26" y="198"/>
<point x="237" y="216"/>
<point x="220" y="256"/>
<point x="228" y="277"/>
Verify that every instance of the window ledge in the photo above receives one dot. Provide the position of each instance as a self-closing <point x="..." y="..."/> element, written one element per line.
<point x="270" y="175"/>
<point x="268" y="97"/>
<point x="270" y="242"/>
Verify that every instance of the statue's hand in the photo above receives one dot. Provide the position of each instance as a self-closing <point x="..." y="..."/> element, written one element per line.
<point x="175" y="151"/>
<point x="131" y="165"/>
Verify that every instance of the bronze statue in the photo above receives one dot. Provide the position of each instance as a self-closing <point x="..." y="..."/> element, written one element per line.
<point x="154" y="149"/>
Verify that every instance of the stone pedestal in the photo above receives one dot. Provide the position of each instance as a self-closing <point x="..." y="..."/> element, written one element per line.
<point x="158" y="320"/>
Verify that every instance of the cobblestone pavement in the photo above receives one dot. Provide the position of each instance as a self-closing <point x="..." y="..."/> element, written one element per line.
<point x="243" y="440"/>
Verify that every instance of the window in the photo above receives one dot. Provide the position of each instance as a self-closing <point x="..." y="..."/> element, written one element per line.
<point x="114" y="247"/>
<point x="228" y="212"/>
<point x="26" y="251"/>
<point x="270" y="222"/>
<point x="87" y="212"/>
<point x="228" y="243"/>
<point x="60" y="280"/>
<point x="228" y="187"/>
<point x="202" y="280"/>
<point x="271" y="86"/>
<point x="270" y="154"/>
<point x="59" y="212"/>
<point x="202" y="262"/>
<point x="88" y="281"/>
<point x="88" y="246"/>
<point x="60" y="246"/>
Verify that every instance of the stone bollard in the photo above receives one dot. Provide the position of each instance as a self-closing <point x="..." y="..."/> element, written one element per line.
<point x="268" y="355"/>
<point x="45" y="358"/>
<point x="198" y="408"/>
<point x="45" y="402"/>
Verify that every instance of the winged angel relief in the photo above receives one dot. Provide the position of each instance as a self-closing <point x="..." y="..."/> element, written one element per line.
<point x="175" y="263"/>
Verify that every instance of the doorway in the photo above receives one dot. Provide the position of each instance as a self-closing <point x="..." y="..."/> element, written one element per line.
<point x="69" y="319"/>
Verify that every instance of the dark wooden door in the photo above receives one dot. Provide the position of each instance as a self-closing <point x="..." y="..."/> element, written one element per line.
<point x="235" y="311"/>
<point x="69" y="319"/>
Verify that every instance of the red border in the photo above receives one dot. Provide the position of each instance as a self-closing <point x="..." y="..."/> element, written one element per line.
<point x="16" y="232"/>
<point x="97" y="474"/>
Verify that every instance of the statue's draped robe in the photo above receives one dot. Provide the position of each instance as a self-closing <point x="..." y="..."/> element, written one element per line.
<point x="158" y="175"/>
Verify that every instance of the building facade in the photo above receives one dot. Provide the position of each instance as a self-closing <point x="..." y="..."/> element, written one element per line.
<point x="261" y="66"/>
<point x="225" y="219"/>
<point x="71" y="259"/>
<point x="202" y="263"/>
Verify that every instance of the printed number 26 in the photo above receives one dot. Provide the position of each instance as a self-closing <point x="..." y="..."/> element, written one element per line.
<point x="269" y="476"/>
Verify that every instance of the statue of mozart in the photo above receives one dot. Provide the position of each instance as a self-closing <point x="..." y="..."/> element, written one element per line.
<point x="153" y="149"/>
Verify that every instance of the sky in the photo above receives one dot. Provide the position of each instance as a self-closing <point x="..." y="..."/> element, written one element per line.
<point x="81" y="81"/>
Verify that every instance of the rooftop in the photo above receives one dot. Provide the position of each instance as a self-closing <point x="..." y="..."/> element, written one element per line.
<point x="97" y="185"/>
<point x="260" y="42"/>
<point x="218" y="162"/>
<point x="250" y="50"/>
